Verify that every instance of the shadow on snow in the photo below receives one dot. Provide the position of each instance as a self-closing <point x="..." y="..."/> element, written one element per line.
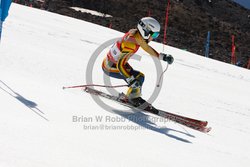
<point x="143" y="120"/>
<point x="30" y="104"/>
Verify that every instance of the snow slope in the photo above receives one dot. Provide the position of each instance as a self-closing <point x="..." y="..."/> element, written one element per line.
<point x="40" y="52"/>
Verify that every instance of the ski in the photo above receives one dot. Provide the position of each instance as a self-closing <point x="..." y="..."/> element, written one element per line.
<point x="189" y="122"/>
<point x="195" y="121"/>
<point x="195" y="124"/>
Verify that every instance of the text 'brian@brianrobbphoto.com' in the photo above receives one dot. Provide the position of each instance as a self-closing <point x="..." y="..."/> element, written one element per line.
<point x="128" y="122"/>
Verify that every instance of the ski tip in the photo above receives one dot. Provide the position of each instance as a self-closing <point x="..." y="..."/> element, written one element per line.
<point x="206" y="130"/>
<point x="205" y="123"/>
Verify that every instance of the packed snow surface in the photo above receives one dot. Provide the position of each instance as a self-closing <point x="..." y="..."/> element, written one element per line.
<point x="44" y="125"/>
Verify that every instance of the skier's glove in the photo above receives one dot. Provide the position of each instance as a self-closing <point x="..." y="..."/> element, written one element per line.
<point x="166" y="57"/>
<point x="133" y="82"/>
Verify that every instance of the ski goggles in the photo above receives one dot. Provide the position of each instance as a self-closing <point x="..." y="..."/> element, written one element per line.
<point x="154" y="34"/>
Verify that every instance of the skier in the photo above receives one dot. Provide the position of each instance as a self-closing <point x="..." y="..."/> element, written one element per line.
<point x="116" y="65"/>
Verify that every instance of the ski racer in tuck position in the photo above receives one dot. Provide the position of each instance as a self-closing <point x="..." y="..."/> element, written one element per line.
<point x="116" y="65"/>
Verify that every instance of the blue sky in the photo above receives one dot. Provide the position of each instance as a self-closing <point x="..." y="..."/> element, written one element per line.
<point x="245" y="3"/>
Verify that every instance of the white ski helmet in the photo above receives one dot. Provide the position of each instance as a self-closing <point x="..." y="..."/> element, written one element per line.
<point x="148" y="26"/>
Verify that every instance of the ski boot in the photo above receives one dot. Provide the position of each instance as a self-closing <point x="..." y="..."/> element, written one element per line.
<point x="140" y="103"/>
<point x="143" y="104"/>
<point x="136" y="102"/>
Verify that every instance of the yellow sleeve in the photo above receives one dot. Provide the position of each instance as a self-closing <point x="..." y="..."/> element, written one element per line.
<point x="145" y="46"/>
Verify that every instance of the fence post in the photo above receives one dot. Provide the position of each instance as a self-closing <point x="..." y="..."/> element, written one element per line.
<point x="207" y="45"/>
<point x="166" y="23"/>
<point x="248" y="65"/>
<point x="233" y="58"/>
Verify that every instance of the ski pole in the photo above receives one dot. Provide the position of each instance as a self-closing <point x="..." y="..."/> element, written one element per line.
<point x="158" y="85"/>
<point x="87" y="85"/>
